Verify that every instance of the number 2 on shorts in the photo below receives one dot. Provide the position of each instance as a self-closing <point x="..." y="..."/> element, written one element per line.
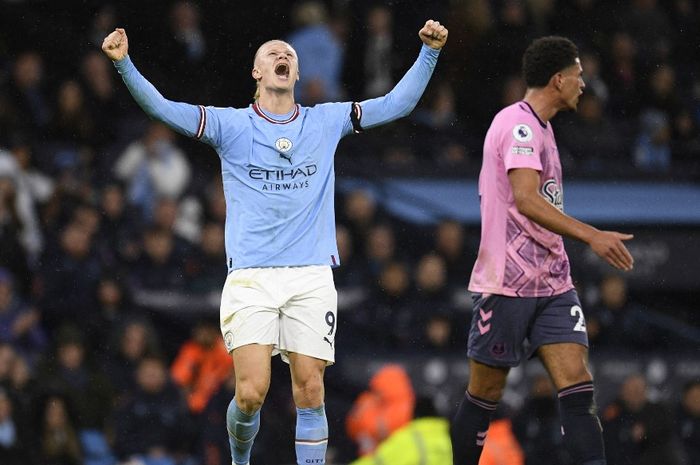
<point x="581" y="323"/>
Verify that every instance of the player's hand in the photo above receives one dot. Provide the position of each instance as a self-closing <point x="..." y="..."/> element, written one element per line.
<point x="433" y="34"/>
<point x="608" y="246"/>
<point x="116" y="45"/>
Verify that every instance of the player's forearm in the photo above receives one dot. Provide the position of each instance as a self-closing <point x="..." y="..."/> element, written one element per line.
<point x="538" y="210"/>
<point x="404" y="97"/>
<point x="182" y="117"/>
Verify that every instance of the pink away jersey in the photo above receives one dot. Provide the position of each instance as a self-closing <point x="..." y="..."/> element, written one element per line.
<point x="517" y="257"/>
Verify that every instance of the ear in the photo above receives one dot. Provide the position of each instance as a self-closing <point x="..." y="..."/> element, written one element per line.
<point x="557" y="81"/>
<point x="257" y="75"/>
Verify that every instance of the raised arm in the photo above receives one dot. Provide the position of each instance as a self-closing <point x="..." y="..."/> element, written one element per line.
<point x="404" y="97"/>
<point x="182" y="117"/>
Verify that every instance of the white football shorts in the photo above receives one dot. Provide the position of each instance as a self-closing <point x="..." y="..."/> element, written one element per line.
<point x="294" y="309"/>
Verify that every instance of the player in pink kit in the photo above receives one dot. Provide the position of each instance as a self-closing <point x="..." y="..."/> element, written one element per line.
<point x="521" y="282"/>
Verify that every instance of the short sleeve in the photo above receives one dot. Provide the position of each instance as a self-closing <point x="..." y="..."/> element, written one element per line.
<point x="521" y="146"/>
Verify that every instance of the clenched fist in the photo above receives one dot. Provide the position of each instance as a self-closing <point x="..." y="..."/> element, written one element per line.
<point x="433" y="34"/>
<point x="116" y="45"/>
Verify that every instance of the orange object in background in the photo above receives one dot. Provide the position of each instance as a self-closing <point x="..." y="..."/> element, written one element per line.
<point x="501" y="446"/>
<point x="201" y="366"/>
<point x="385" y="407"/>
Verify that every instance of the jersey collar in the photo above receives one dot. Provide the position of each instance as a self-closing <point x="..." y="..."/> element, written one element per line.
<point x="531" y="110"/>
<point x="264" y="116"/>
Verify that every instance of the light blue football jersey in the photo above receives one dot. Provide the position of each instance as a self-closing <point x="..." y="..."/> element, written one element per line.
<point x="278" y="172"/>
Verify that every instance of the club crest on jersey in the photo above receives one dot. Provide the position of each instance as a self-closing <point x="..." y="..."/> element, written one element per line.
<point x="283" y="144"/>
<point x="522" y="133"/>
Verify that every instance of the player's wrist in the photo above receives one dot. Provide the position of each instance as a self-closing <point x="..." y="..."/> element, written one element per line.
<point x="589" y="234"/>
<point x="427" y="48"/>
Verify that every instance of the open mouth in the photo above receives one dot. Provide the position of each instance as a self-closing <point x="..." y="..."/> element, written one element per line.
<point x="282" y="70"/>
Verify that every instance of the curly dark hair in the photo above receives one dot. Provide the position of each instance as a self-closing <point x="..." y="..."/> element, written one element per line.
<point x="545" y="57"/>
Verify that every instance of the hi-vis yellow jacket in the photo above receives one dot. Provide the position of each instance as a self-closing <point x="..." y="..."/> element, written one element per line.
<point x="425" y="441"/>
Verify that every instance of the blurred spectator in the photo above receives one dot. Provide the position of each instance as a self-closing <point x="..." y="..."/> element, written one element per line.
<point x="153" y="422"/>
<point x="185" y="19"/>
<point x="652" y="151"/>
<point x="350" y="275"/>
<point x="159" y="267"/>
<point x="649" y="25"/>
<point x="377" y="318"/>
<point x="513" y="90"/>
<point x="440" y="135"/>
<point x="134" y="340"/>
<point x="72" y="126"/>
<point x="658" y="120"/>
<point x="183" y="51"/>
<point x="590" y="62"/>
<point x="27" y="98"/>
<point x="423" y="441"/>
<point x="111" y="311"/>
<point x="105" y="101"/>
<point x="214" y="438"/>
<point x="205" y="265"/>
<point x="15" y="439"/>
<point x="215" y="202"/>
<point x="58" y="434"/>
<point x="19" y="323"/>
<point x="431" y="296"/>
<point x="450" y="245"/>
<point x="689" y="421"/>
<point x="201" y="365"/>
<point x="167" y="216"/>
<point x="537" y="425"/>
<point x="153" y="167"/>
<point x="13" y="256"/>
<point x="438" y="334"/>
<point x="381" y="247"/>
<point x="379" y="62"/>
<point x="74" y="377"/>
<point x="31" y="189"/>
<point x="319" y="52"/>
<point x="69" y="278"/>
<point x="116" y="241"/>
<point x="7" y="359"/>
<point x="104" y="20"/>
<point x="360" y="213"/>
<point x="374" y="72"/>
<point x="617" y="321"/>
<point x="595" y="141"/>
<point x="498" y="53"/>
<point x="639" y="431"/>
<point x="622" y="75"/>
<point x="378" y="412"/>
<point x="22" y="388"/>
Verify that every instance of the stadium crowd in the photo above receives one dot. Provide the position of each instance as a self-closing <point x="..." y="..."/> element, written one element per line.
<point x="111" y="227"/>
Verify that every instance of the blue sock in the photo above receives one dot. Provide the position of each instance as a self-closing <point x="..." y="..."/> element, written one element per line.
<point x="312" y="436"/>
<point x="242" y="429"/>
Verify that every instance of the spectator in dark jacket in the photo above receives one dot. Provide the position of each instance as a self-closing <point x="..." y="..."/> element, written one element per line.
<point x="72" y="375"/>
<point x="638" y="431"/>
<point x="153" y="422"/>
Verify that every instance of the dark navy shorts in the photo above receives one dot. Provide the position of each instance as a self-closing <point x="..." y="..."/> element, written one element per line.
<point x="504" y="328"/>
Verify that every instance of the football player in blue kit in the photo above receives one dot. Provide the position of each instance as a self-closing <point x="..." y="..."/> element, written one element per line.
<point x="278" y="180"/>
